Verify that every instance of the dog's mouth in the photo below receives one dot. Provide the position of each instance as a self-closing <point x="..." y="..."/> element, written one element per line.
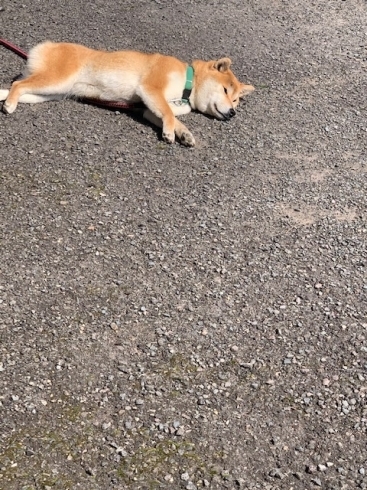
<point x="219" y="114"/>
<point x="224" y="116"/>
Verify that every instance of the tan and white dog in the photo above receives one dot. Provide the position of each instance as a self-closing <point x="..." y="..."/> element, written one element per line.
<point x="58" y="70"/>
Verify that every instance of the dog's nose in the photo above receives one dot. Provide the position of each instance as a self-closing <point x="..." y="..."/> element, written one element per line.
<point x="231" y="113"/>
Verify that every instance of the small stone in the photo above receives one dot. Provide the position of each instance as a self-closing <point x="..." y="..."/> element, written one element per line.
<point x="298" y="475"/>
<point x="191" y="486"/>
<point x="180" y="431"/>
<point x="121" y="451"/>
<point x="276" y="473"/>
<point x="225" y="475"/>
<point x="321" y="467"/>
<point x="316" y="481"/>
<point x="248" y="365"/>
<point x="311" y="469"/>
<point x="239" y="482"/>
<point x="185" y="476"/>
<point x="234" y="348"/>
<point x="362" y="471"/>
<point x="312" y="445"/>
<point x="139" y="401"/>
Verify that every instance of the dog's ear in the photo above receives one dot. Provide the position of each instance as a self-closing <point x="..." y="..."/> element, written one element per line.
<point x="222" y="65"/>
<point x="245" y="90"/>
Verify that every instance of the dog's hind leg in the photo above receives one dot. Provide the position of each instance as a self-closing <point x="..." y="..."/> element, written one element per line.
<point x="31" y="98"/>
<point x="31" y="90"/>
<point x="19" y="88"/>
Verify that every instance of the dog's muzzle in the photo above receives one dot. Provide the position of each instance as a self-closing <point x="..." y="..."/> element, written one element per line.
<point x="229" y="114"/>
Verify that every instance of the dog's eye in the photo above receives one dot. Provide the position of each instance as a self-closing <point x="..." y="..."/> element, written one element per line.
<point x="225" y="90"/>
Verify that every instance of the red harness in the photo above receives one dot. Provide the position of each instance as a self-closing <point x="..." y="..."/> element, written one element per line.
<point x="103" y="103"/>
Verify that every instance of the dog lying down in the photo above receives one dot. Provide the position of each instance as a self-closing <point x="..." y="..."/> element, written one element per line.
<point x="167" y="86"/>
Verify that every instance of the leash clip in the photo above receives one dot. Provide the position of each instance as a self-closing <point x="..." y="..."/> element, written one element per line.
<point x="179" y="102"/>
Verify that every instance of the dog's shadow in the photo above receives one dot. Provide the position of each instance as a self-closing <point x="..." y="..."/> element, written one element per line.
<point x="135" y="112"/>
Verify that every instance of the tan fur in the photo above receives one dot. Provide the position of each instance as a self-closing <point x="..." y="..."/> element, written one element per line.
<point x="57" y="70"/>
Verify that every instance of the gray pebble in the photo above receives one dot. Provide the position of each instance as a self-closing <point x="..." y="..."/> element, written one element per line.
<point x="316" y="481"/>
<point x="276" y="473"/>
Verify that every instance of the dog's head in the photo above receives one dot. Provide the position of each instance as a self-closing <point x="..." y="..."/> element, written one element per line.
<point x="216" y="89"/>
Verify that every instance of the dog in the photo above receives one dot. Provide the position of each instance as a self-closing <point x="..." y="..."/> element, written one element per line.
<point x="165" y="85"/>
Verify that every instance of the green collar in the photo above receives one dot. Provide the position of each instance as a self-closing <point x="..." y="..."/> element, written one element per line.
<point x="189" y="78"/>
<point x="188" y="84"/>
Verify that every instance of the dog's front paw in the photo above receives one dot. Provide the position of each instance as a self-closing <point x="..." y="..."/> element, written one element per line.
<point x="168" y="137"/>
<point x="187" y="139"/>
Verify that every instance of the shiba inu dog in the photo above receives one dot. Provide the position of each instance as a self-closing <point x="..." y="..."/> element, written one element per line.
<point x="167" y="86"/>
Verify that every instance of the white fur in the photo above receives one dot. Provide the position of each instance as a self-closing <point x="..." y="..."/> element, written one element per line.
<point x="32" y="98"/>
<point x="3" y="94"/>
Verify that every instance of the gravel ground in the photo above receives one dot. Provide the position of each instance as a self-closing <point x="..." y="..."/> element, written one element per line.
<point x="187" y="319"/>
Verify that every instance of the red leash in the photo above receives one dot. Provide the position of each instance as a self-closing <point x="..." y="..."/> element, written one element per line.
<point x="103" y="103"/>
<point x="14" y="48"/>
